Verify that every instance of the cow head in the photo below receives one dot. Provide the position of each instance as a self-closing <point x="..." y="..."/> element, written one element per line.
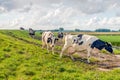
<point x="52" y="41"/>
<point x="108" y="47"/>
<point x="60" y="35"/>
<point x="99" y="44"/>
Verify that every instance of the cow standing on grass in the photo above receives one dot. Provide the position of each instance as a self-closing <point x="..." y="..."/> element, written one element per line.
<point x="85" y="42"/>
<point x="49" y="40"/>
<point x="31" y="32"/>
<point x="60" y="35"/>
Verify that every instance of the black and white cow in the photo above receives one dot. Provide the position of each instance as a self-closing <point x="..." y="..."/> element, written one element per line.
<point x="49" y="40"/>
<point x="31" y="32"/>
<point x="85" y="42"/>
<point x="60" y="35"/>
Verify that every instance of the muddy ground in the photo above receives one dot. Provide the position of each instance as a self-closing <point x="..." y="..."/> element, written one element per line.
<point x="103" y="61"/>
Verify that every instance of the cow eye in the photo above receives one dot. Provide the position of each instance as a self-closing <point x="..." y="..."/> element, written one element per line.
<point x="75" y="40"/>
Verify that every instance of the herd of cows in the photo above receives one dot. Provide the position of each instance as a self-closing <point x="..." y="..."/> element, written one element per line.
<point x="80" y="42"/>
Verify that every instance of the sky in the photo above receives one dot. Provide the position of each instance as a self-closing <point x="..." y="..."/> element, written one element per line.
<point x="52" y="14"/>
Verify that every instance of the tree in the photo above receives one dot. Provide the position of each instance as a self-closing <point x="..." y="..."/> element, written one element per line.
<point x="61" y="29"/>
<point x="103" y="30"/>
<point x="77" y="30"/>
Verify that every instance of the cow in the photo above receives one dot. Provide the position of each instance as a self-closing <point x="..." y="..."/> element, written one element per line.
<point x="60" y="35"/>
<point x="83" y="42"/>
<point x="31" y="32"/>
<point x="21" y="28"/>
<point x="49" y="40"/>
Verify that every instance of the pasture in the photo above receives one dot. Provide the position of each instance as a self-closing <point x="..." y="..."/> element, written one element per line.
<point x="22" y="58"/>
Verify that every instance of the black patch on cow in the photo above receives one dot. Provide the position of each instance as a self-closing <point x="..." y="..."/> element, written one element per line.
<point x="80" y="36"/>
<point x="56" y="39"/>
<point x="99" y="44"/>
<point x="49" y="40"/>
<point x="75" y="41"/>
<point x="81" y="43"/>
<point x="31" y="33"/>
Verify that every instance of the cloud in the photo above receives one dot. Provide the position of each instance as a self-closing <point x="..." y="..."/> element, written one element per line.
<point x="2" y="9"/>
<point x="97" y="22"/>
<point x="86" y="6"/>
<point x="51" y="14"/>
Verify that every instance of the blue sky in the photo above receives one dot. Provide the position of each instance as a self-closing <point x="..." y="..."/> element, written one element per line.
<point x="52" y="14"/>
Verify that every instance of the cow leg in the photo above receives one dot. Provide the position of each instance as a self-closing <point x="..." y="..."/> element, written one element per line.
<point x="71" y="56"/>
<point x="43" y="44"/>
<point x="88" y="55"/>
<point x="63" y="50"/>
<point x="71" y="51"/>
<point x="33" y="36"/>
<point x="48" y="48"/>
<point x="52" y="50"/>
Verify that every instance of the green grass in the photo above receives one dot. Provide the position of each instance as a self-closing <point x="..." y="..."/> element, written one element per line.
<point x="115" y="40"/>
<point x="20" y="60"/>
<point x="22" y="35"/>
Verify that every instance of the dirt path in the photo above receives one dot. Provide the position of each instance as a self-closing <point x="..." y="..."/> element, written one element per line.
<point x="105" y="62"/>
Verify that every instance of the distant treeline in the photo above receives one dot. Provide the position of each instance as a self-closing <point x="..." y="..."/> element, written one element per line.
<point x="77" y="30"/>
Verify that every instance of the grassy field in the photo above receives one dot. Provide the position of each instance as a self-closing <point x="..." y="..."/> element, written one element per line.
<point x="22" y="58"/>
<point x="115" y="40"/>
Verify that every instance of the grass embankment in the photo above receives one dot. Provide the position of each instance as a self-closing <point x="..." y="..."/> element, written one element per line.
<point x="20" y="60"/>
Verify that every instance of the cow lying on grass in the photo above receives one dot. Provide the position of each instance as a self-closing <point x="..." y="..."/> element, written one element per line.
<point x="85" y="42"/>
<point x="48" y="40"/>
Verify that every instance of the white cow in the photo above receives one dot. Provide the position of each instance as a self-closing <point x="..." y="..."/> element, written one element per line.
<point x="84" y="42"/>
<point x="48" y="40"/>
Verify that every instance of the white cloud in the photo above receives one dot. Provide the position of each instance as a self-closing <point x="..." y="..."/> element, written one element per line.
<point x="2" y="9"/>
<point x="51" y="14"/>
<point x="112" y="23"/>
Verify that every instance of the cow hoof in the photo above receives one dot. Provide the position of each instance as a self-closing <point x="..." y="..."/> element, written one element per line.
<point x="73" y="60"/>
<point x="88" y="62"/>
